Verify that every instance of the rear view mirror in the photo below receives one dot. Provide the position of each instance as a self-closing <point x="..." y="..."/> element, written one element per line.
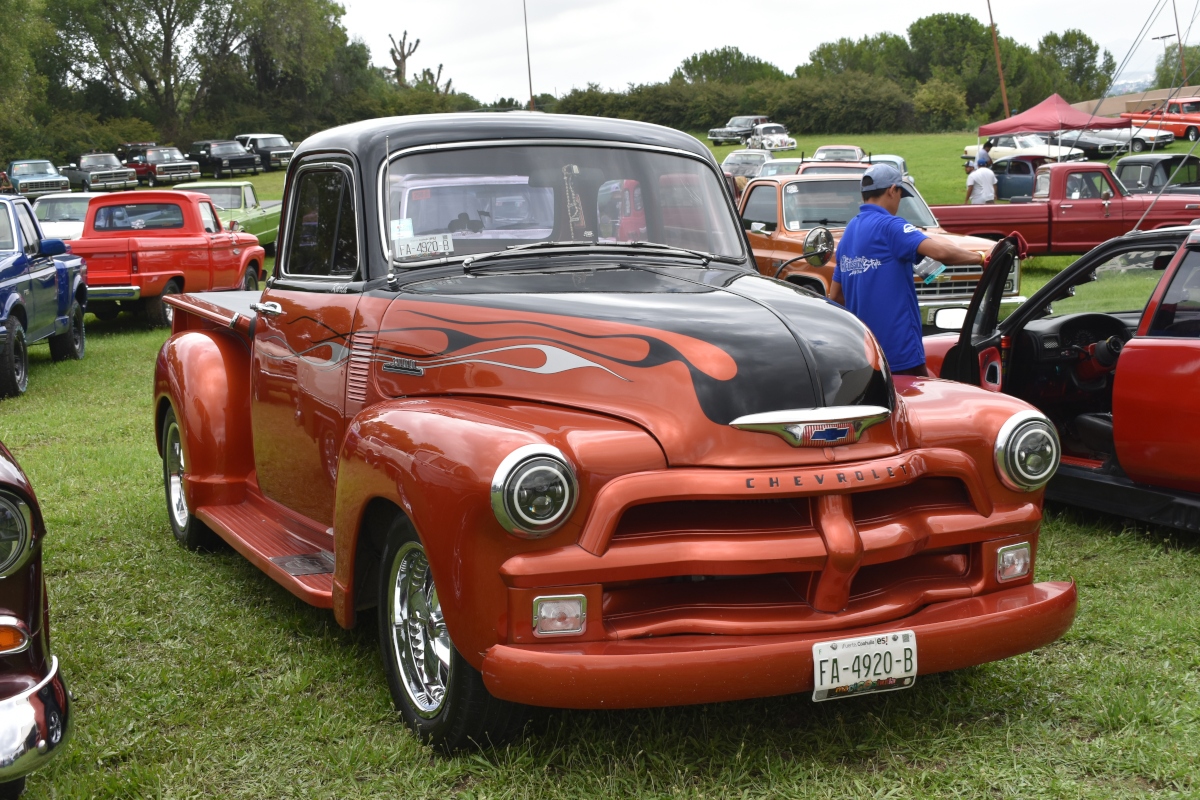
<point x="235" y="226"/>
<point x="949" y="319"/>
<point x="818" y="246"/>
<point x="1106" y="195"/>
<point x="758" y="227"/>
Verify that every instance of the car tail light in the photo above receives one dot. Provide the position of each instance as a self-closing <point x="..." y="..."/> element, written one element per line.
<point x="559" y="616"/>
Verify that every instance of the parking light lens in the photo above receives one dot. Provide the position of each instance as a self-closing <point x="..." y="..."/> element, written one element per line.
<point x="1013" y="561"/>
<point x="559" y="616"/>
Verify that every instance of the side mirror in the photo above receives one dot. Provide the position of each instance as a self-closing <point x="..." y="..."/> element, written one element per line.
<point x="235" y="226"/>
<point x="52" y="247"/>
<point x="72" y="165"/>
<point x="758" y="227"/>
<point x="1163" y="261"/>
<point x="1105" y="195"/>
<point x="818" y="246"/>
<point x="949" y="319"/>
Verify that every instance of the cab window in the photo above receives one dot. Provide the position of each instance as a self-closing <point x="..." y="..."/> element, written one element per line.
<point x="1178" y="315"/>
<point x="1086" y="186"/>
<point x="322" y="240"/>
<point x="1041" y="184"/>
<point x="1182" y="173"/>
<point x="209" y="218"/>
<point x="1124" y="283"/>
<point x="250" y="201"/>
<point x="7" y="240"/>
<point x="762" y="206"/>
<point x="29" y="230"/>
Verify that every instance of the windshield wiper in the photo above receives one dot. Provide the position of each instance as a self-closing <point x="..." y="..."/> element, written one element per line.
<point x="824" y="221"/>
<point x="517" y="249"/>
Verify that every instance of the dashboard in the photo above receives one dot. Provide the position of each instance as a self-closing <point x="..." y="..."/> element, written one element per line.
<point x="1054" y="340"/>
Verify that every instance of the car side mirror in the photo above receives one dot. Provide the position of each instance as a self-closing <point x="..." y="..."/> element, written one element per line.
<point x="818" y="246"/>
<point x="72" y="166"/>
<point x="52" y="247"/>
<point x="1106" y="195"/>
<point x="758" y="227"/>
<point x="1163" y="261"/>
<point x="949" y="319"/>
<point x="235" y="226"/>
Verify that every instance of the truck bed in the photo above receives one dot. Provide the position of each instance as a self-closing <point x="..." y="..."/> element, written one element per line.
<point x="227" y="309"/>
<point x="1031" y="220"/>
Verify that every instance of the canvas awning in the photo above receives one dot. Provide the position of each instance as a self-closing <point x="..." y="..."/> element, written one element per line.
<point x="1052" y="114"/>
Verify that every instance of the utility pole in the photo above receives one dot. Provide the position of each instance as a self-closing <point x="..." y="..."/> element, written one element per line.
<point x="528" y="64"/>
<point x="1163" y="39"/>
<point x="1182" y="67"/>
<point x="999" y="66"/>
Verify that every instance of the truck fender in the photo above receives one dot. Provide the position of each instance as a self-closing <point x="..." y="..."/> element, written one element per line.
<point x="79" y="287"/>
<point x="204" y="375"/>
<point x="258" y="255"/>
<point x="11" y="304"/>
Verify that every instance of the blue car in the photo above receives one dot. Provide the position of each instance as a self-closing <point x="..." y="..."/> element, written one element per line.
<point x="1014" y="175"/>
<point x="43" y="295"/>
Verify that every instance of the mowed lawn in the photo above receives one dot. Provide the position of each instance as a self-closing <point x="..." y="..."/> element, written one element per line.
<point x="196" y="676"/>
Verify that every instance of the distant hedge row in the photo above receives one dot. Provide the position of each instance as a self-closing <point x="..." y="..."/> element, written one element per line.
<point x="849" y="102"/>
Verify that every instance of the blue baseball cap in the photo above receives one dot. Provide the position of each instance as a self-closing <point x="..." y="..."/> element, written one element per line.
<point x="884" y="176"/>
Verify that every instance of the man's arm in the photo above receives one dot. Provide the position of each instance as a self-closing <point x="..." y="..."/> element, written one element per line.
<point x="970" y="186"/>
<point x="835" y="293"/>
<point x="943" y="249"/>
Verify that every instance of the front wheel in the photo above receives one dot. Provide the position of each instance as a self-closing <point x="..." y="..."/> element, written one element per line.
<point x="151" y="181"/>
<point x="14" y="359"/>
<point x="439" y="695"/>
<point x="1137" y="145"/>
<point x="216" y="173"/>
<point x="189" y="531"/>
<point x="70" y="344"/>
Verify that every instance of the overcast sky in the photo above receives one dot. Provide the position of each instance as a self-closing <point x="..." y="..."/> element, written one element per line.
<point x="617" y="42"/>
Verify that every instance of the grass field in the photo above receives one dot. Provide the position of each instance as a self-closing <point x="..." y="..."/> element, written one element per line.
<point x="196" y="676"/>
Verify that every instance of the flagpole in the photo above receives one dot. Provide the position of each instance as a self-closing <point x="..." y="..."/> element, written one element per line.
<point x="528" y="64"/>
<point x="999" y="68"/>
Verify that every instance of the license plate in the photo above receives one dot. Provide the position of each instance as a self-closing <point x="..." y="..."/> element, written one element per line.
<point x="883" y="662"/>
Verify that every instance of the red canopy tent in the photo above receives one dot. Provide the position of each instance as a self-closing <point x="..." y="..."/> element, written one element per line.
<point x="1052" y="114"/>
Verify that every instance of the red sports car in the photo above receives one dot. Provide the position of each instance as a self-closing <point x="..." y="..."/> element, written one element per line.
<point x="1109" y="350"/>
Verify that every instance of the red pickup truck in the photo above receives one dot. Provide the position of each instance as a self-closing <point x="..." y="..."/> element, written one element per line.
<point x="1075" y="206"/>
<point x="1181" y="117"/>
<point x="141" y="246"/>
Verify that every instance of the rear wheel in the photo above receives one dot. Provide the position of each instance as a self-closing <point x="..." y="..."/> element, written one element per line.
<point x="439" y="695"/>
<point x="70" y="344"/>
<point x="250" y="279"/>
<point x="1193" y="134"/>
<point x="189" y="531"/>
<point x="14" y="359"/>
<point x="1137" y="145"/>
<point x="158" y="313"/>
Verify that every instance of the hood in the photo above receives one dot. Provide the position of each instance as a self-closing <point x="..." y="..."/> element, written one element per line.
<point x="62" y="230"/>
<point x="680" y="352"/>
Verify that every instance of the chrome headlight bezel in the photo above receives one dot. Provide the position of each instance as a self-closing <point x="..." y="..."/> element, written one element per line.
<point x="503" y="492"/>
<point x="1008" y="441"/>
<point x="20" y="554"/>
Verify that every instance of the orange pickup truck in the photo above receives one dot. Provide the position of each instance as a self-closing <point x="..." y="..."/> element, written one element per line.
<point x="1181" y="117"/>
<point x="141" y="246"/>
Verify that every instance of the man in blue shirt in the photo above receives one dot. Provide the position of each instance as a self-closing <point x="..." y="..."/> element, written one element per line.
<point x="874" y="273"/>
<point x="983" y="156"/>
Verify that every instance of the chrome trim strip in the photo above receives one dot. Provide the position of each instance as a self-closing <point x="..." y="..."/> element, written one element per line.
<point x="114" y="293"/>
<point x="797" y="426"/>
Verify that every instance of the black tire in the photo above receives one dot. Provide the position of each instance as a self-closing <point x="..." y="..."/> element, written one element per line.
<point x="1137" y="145"/>
<point x="189" y="531"/>
<point x="216" y="173"/>
<point x="1193" y="134"/>
<point x="158" y="313"/>
<point x="85" y="187"/>
<point x="71" y="343"/>
<point x="151" y="181"/>
<point x="250" y="279"/>
<point x="14" y="359"/>
<point x="11" y="790"/>
<point x="466" y="715"/>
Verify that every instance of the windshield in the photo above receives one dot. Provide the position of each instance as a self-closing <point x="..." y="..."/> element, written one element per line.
<point x="836" y="154"/>
<point x="103" y="160"/>
<point x="1025" y="142"/>
<point x="459" y="202"/>
<point x="273" y="141"/>
<point x="740" y="122"/>
<point x="745" y="158"/>
<point x="779" y="168"/>
<point x="834" y="203"/>
<point x="222" y="196"/>
<point x="164" y="154"/>
<point x="821" y="170"/>
<point x="35" y="168"/>
<point x="66" y="209"/>
<point x="228" y="149"/>
<point x="770" y="129"/>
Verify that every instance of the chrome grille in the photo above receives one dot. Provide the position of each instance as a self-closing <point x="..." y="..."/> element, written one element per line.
<point x="37" y="186"/>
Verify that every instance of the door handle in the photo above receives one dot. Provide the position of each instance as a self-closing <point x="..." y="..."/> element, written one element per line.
<point x="267" y="309"/>
<point x="1066" y="205"/>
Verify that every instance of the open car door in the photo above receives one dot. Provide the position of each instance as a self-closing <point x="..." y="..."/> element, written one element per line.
<point x="976" y="359"/>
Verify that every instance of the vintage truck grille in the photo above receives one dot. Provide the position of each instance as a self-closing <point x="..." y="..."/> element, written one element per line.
<point x="40" y="186"/>
<point x="174" y="169"/>
<point x="106" y="177"/>
<point x="889" y="583"/>
<point x="958" y="282"/>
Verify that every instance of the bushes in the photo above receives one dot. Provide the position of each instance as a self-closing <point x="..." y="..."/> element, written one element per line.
<point x="940" y="106"/>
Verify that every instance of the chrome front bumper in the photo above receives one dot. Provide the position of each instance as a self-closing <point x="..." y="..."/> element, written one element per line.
<point x="106" y="185"/>
<point x="114" y="292"/>
<point x="176" y="177"/>
<point x="34" y="725"/>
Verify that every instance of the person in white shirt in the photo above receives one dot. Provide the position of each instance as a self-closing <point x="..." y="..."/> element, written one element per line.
<point x="981" y="184"/>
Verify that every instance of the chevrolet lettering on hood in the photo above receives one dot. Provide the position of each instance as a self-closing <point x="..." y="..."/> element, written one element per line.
<point x="582" y="454"/>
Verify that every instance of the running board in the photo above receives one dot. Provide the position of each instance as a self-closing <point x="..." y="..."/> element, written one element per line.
<point x="291" y="550"/>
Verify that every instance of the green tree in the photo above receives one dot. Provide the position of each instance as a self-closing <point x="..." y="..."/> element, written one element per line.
<point x="21" y="31"/>
<point x="728" y="65"/>
<point x="955" y="48"/>
<point x="940" y="106"/>
<point x="885" y="55"/>
<point x="1074" y="59"/>
<point x="1166" y="71"/>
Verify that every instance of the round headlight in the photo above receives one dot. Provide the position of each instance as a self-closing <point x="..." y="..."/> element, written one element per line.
<point x="1027" y="451"/>
<point x="14" y="531"/>
<point x="534" y="491"/>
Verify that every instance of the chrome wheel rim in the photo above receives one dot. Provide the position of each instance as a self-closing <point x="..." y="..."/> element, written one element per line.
<point x="169" y="313"/>
<point x="77" y="331"/>
<point x="173" y="457"/>
<point x="420" y="641"/>
<point x="20" y="362"/>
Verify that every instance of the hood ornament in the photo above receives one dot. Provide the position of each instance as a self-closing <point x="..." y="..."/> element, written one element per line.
<point x="815" y="427"/>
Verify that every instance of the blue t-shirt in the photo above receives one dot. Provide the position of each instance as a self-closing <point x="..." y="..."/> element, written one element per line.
<point x="875" y="268"/>
<point x="983" y="158"/>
